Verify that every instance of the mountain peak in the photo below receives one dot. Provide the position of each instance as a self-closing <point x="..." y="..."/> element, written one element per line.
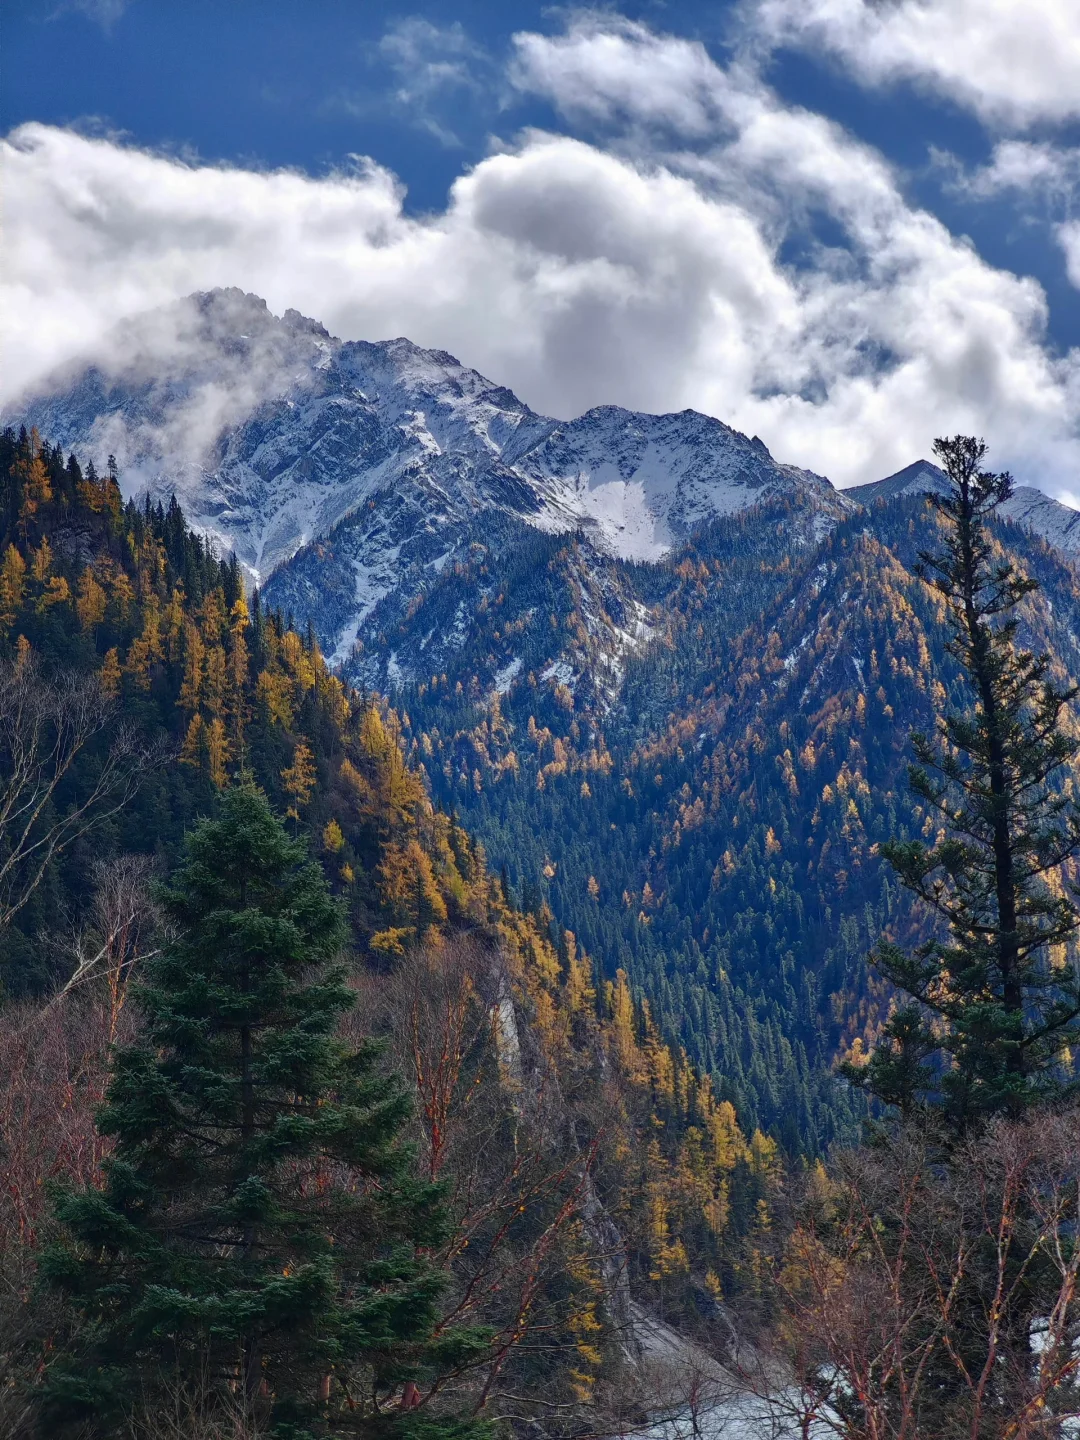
<point x="921" y="477"/>
<point x="274" y="434"/>
<point x="1036" y="511"/>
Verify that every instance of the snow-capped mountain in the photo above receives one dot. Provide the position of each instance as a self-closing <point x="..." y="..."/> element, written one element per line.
<point x="270" y="431"/>
<point x="645" y="482"/>
<point x="1054" y="522"/>
<point x="347" y="476"/>
<point x="380" y="458"/>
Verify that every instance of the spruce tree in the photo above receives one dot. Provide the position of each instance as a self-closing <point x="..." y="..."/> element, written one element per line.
<point x="260" y="1233"/>
<point x="994" y="994"/>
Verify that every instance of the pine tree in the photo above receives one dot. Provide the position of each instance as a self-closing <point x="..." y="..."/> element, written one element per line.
<point x="994" y="1003"/>
<point x="260" y="1230"/>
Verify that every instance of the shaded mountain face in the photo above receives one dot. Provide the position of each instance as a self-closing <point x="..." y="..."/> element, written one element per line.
<point x="353" y="472"/>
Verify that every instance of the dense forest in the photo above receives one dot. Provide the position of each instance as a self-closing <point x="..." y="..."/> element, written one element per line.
<point x="313" y="1122"/>
<point x="715" y="830"/>
<point x="578" y="1152"/>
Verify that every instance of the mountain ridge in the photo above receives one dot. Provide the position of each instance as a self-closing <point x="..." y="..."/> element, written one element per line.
<point x="272" y="433"/>
<point x="350" y="477"/>
<point x="1057" y="524"/>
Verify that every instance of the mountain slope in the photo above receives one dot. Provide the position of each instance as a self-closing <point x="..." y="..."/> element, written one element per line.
<point x="715" y="831"/>
<point x="276" y="436"/>
<point x="548" y="1102"/>
<point x="667" y="680"/>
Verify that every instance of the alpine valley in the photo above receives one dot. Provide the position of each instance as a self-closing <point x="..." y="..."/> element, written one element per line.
<point x="664" y="678"/>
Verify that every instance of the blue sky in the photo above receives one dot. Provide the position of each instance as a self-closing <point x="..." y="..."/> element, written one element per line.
<point x="737" y="206"/>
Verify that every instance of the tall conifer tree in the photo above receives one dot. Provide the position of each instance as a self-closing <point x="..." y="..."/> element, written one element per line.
<point x="995" y="993"/>
<point x="261" y="1231"/>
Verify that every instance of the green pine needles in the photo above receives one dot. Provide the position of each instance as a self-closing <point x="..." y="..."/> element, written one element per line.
<point x="995" y="1004"/>
<point x="260" y="1240"/>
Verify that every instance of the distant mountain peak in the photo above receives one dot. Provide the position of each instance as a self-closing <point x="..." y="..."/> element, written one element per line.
<point x="274" y="434"/>
<point x="1038" y="512"/>
<point x="918" y="478"/>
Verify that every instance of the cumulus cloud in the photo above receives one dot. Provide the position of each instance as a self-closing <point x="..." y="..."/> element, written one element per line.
<point x="1014" y="62"/>
<point x="610" y="69"/>
<point x="899" y="331"/>
<point x="652" y="265"/>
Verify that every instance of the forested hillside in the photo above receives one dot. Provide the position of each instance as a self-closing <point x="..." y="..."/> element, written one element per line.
<point x="715" y="830"/>
<point x="579" y="1150"/>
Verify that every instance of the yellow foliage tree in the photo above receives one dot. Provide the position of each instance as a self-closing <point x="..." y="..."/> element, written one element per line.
<point x="300" y="663"/>
<point x="273" y="690"/>
<point x="37" y="490"/>
<point x="299" y="778"/>
<point x="12" y="584"/>
<point x="216" y="680"/>
<point x="191" y="751"/>
<point x="57" y="592"/>
<point x="123" y="595"/>
<point x="110" y="673"/>
<point x="90" y="606"/>
<point x="217" y="751"/>
<point x="407" y="886"/>
<point x="191" y="686"/>
<point x="41" y="561"/>
<point x="138" y="663"/>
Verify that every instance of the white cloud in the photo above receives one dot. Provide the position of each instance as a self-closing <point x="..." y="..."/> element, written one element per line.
<point x="900" y="334"/>
<point x="610" y="69"/>
<point x="431" y="65"/>
<point x="1068" y="236"/>
<point x="104" y="12"/>
<point x="1013" y="62"/>
<point x="1042" y="178"/>
<point x="649" y="268"/>
<point x="1028" y="170"/>
<point x="1032" y="167"/>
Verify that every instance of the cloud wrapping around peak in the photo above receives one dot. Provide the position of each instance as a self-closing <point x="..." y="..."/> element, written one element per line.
<point x="707" y="247"/>
<point x="1013" y="62"/>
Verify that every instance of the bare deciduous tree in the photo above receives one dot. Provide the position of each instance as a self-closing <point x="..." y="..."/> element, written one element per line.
<point x="123" y="926"/>
<point x="45" y="725"/>
<point x="52" y="1080"/>
<point x="514" y="1195"/>
<point x="905" y="1276"/>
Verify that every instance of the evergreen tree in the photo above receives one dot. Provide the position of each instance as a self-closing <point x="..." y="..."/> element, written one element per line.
<point x="260" y="1230"/>
<point x="995" y="1001"/>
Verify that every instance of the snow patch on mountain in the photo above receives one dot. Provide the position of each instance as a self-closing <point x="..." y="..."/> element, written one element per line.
<point x="505" y="677"/>
<point x="641" y="482"/>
